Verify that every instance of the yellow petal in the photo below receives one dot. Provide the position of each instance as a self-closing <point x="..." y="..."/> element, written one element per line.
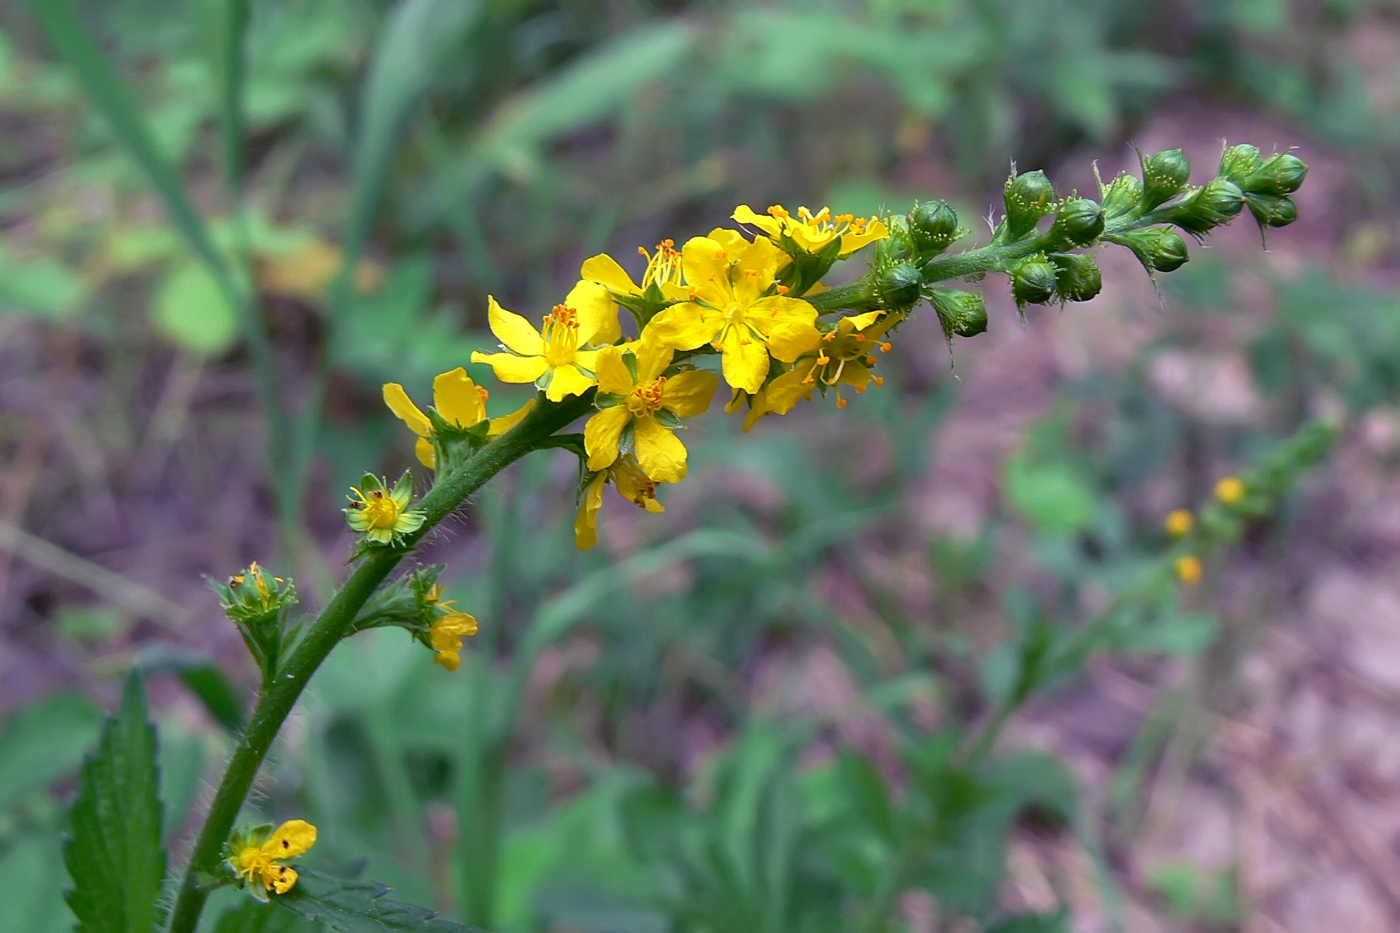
<point x="745" y="361"/>
<point x="566" y="381"/>
<point x="613" y="376"/>
<point x="606" y="271"/>
<point x="785" y="391"/>
<point x="456" y="398"/>
<point x="766" y="314"/>
<point x="874" y="230"/>
<point x="860" y="321"/>
<point x="756" y="266"/>
<point x="514" y="331"/>
<point x="688" y="394"/>
<point x="765" y="222"/>
<point x="660" y="453"/>
<point x="601" y="434"/>
<point x="597" y="313"/>
<point x="504" y="423"/>
<point x="789" y="341"/>
<point x="511" y="368"/>
<point x="292" y="838"/>
<point x="705" y="263"/>
<point x="426" y="455"/>
<point x="732" y="241"/>
<point x="448" y="659"/>
<point x="683" y="327"/>
<point x="404" y="409"/>
<point x="280" y="878"/>
<point x="586" y="524"/>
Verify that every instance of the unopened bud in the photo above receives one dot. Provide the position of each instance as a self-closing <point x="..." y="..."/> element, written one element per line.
<point x="1239" y="162"/>
<point x="1077" y="276"/>
<point x="1121" y="195"/>
<point x="898" y="286"/>
<point x="934" y="226"/>
<point x="1157" y="248"/>
<point x="1033" y="282"/>
<point x="1078" y="223"/>
<point x="1280" y="174"/>
<point x="1271" y="211"/>
<point x="962" y="314"/>
<point x="1028" y="197"/>
<point x="255" y="595"/>
<point x="1164" y="176"/>
<point x="1207" y="207"/>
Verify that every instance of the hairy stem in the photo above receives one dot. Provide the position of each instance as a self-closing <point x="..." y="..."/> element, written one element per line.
<point x="336" y="621"/>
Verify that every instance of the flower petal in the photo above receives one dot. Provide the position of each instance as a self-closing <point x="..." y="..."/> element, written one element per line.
<point x="601" y="434"/>
<point x="789" y="341"/>
<point x="426" y="454"/>
<point x="512" y="368"/>
<point x="787" y="390"/>
<point x="766" y="314"/>
<point x="514" y="332"/>
<point x="606" y="271"/>
<point x="683" y="326"/>
<point x="586" y="524"/>
<point x="766" y="222"/>
<point x="745" y="361"/>
<point x="456" y="398"/>
<point x="613" y="376"/>
<point x="688" y="394"/>
<point x="504" y="423"/>
<point x="652" y="360"/>
<point x="404" y="409"/>
<point x="292" y="838"/>
<point x="597" y="313"/>
<point x="280" y="878"/>
<point x="660" y="453"/>
<point x="705" y="263"/>
<point x="568" y="380"/>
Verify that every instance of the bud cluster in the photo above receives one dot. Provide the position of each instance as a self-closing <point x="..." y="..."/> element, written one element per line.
<point x="256" y="602"/>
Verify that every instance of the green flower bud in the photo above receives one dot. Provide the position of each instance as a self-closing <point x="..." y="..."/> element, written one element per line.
<point x="898" y="286"/>
<point x="255" y="595"/>
<point x="1207" y="207"/>
<point x="899" y="246"/>
<point x="934" y="227"/>
<point x="1164" y="176"/>
<point x="1280" y="174"/>
<point x="1033" y="282"/>
<point x="1157" y="248"/>
<point x="1077" y="276"/>
<point x="1239" y="162"/>
<point x="962" y="314"/>
<point x="1029" y="197"/>
<point x="1078" y="223"/>
<point x="1271" y="211"/>
<point x="1121" y="195"/>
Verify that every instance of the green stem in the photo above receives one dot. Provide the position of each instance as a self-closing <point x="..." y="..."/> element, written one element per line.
<point x="335" y="621"/>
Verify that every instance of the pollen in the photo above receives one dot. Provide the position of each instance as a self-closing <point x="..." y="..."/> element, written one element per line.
<point x="646" y="399"/>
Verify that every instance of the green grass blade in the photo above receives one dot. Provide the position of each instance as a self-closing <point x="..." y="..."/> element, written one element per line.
<point x="114" y="855"/>
<point x="109" y="95"/>
<point x="225" y="25"/>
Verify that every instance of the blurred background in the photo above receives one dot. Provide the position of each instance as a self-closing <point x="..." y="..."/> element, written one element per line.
<point x="829" y="599"/>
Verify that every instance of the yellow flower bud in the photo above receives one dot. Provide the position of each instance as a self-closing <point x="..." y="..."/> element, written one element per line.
<point x="1179" y="522"/>
<point x="1230" y="490"/>
<point x="1188" y="569"/>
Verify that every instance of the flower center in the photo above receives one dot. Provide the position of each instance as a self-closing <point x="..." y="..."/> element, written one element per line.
<point x="382" y="511"/>
<point x="646" y="400"/>
<point x="663" y="266"/>
<point x="560" y="329"/>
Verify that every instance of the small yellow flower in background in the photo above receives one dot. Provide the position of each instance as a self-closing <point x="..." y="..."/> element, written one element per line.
<point x="258" y="859"/>
<point x="634" y="396"/>
<point x="1230" y="490"/>
<point x="1179" y="522"/>
<point x="813" y="232"/>
<point x="559" y="357"/>
<point x="1188" y="569"/>
<point x="460" y="402"/>
<point x="382" y="515"/>
<point x="447" y="631"/>
<point x="729" y="308"/>
<point x="631" y="483"/>
<point x="663" y="270"/>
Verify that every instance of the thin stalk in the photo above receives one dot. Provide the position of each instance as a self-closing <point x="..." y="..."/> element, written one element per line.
<point x="335" y="621"/>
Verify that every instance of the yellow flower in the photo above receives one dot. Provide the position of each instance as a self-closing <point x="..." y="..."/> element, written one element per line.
<point x="257" y="859"/>
<point x="631" y="483"/>
<point x="729" y="308"/>
<point x="1230" y="490"/>
<point x="843" y="356"/>
<point x="1179" y="522"/>
<point x="1188" y="569"/>
<point x="460" y="402"/>
<point x="814" y="232"/>
<point x="636" y="399"/>
<point x="663" y="270"/>
<point x="558" y="357"/>
<point x="447" y="632"/>
<point x="382" y="515"/>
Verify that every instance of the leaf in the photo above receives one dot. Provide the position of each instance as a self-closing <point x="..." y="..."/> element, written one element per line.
<point x="1052" y="496"/>
<point x="191" y="309"/>
<point x="114" y="856"/>
<point x="42" y="286"/>
<point x="106" y="91"/>
<point x="251" y="916"/>
<point x="41" y="743"/>
<point x="31" y="884"/>
<point x="360" y="907"/>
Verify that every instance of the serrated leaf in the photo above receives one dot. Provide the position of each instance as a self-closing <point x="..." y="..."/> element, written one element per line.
<point x="360" y="907"/>
<point x="114" y="855"/>
<point x="254" y="917"/>
<point x="41" y="743"/>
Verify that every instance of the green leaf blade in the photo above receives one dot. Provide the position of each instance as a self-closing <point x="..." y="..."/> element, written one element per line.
<point x="114" y="855"/>
<point x="348" y="906"/>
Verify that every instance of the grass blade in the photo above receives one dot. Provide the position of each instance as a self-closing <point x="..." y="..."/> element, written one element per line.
<point x="225" y="25"/>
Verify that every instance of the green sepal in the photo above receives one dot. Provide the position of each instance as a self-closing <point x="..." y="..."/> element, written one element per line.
<point x="629" y="359"/>
<point x="114" y="854"/>
<point x="404" y="484"/>
<point x="668" y="418"/>
<point x="604" y="400"/>
<point x="369" y="483"/>
<point x="627" y="438"/>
